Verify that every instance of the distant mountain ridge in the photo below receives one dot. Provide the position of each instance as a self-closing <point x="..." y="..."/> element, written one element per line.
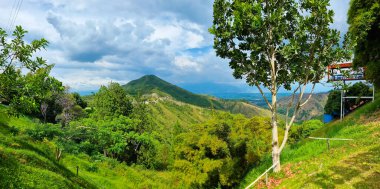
<point x="151" y="84"/>
<point x="313" y="109"/>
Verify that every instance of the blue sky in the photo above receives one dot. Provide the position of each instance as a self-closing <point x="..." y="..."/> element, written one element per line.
<point x="93" y="42"/>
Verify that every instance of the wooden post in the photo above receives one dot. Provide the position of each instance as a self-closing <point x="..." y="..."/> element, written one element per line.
<point x="77" y="170"/>
<point x="328" y="144"/>
<point x="266" y="179"/>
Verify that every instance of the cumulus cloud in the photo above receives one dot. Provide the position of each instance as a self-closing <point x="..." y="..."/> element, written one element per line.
<point x="186" y="64"/>
<point x="94" y="42"/>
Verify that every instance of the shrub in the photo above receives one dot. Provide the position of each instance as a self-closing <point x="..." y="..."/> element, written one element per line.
<point x="42" y="131"/>
<point x="304" y="130"/>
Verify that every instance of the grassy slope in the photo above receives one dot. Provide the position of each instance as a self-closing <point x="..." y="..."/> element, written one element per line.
<point x="25" y="163"/>
<point x="167" y="113"/>
<point x="348" y="164"/>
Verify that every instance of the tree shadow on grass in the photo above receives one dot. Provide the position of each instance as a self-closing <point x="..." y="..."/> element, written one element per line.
<point x="56" y="166"/>
<point x="355" y="166"/>
<point x="370" y="182"/>
<point x="10" y="168"/>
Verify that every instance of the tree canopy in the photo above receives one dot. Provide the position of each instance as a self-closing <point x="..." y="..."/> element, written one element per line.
<point x="112" y="101"/>
<point x="364" y="30"/>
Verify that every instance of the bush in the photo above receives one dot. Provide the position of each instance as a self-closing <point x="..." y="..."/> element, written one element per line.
<point x="304" y="130"/>
<point x="41" y="131"/>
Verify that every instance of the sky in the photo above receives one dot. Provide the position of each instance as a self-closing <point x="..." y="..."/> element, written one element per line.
<point x="94" y="42"/>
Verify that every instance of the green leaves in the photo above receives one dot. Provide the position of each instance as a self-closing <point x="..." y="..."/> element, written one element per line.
<point x="17" y="53"/>
<point x="220" y="151"/>
<point x="112" y="101"/>
<point x="363" y="36"/>
<point x="295" y="35"/>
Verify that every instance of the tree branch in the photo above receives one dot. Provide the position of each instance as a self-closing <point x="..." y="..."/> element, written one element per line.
<point x="262" y="94"/>
<point x="308" y="98"/>
<point x="290" y="104"/>
<point x="288" y="125"/>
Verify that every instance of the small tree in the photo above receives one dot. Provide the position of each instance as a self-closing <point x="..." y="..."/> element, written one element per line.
<point x="274" y="44"/>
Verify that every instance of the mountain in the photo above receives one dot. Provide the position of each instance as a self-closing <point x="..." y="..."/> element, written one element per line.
<point x="151" y="84"/>
<point x="314" y="108"/>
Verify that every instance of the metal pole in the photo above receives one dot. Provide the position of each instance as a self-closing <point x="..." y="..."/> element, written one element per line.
<point x="373" y="91"/>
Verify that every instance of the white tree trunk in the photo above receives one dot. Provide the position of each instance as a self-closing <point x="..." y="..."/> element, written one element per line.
<point x="275" y="149"/>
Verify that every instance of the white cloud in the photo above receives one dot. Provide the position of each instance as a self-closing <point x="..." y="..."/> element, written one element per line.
<point x="185" y="64"/>
<point x="93" y="42"/>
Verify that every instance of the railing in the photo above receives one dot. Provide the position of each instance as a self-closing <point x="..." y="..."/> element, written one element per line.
<point x="266" y="176"/>
<point x="328" y="140"/>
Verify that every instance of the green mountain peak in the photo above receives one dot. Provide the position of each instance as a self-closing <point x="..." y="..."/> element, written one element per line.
<point x="149" y="84"/>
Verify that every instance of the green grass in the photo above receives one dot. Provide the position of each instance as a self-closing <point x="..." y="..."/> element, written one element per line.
<point x="348" y="164"/>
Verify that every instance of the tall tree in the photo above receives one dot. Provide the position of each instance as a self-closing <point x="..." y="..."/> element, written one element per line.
<point x="364" y="32"/>
<point x="112" y="101"/>
<point x="274" y="44"/>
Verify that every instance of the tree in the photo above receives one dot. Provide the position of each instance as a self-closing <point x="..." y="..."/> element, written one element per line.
<point x="112" y="101"/>
<point x="70" y="110"/>
<point x="274" y="44"/>
<point x="334" y="99"/>
<point x="25" y="93"/>
<point x="79" y="100"/>
<point x="364" y="29"/>
<point x="333" y="103"/>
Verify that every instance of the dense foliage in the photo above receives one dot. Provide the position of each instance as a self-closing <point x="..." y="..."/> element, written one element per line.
<point x="364" y="29"/>
<point x="221" y="150"/>
<point x="334" y="99"/>
<point x="112" y="101"/>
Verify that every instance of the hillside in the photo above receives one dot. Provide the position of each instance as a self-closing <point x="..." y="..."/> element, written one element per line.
<point x="348" y="164"/>
<point x="27" y="163"/>
<point x="24" y="164"/>
<point x="151" y="84"/>
<point x="313" y="109"/>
